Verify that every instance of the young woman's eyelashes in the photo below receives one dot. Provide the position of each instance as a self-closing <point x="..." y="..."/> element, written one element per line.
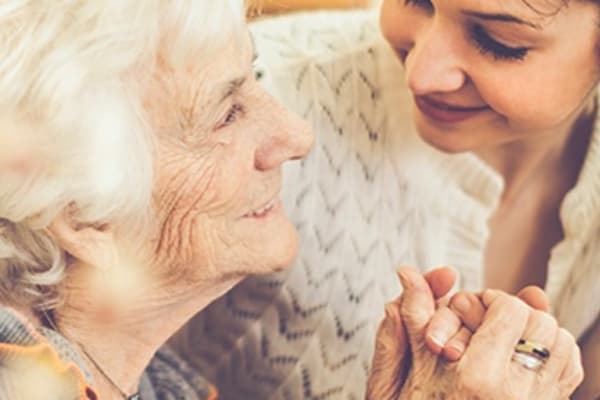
<point x="488" y="45"/>
<point x="480" y="38"/>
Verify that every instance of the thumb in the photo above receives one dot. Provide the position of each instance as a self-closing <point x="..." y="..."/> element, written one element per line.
<point x="535" y="298"/>
<point x="391" y="360"/>
<point x="418" y="306"/>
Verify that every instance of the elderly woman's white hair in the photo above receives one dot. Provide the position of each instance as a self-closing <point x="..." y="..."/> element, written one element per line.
<point x="71" y="79"/>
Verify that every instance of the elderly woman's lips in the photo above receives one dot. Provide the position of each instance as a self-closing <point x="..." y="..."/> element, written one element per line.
<point x="264" y="210"/>
<point x="446" y="113"/>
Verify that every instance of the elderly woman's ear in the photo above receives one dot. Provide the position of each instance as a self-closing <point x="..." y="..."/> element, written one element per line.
<point x="89" y="244"/>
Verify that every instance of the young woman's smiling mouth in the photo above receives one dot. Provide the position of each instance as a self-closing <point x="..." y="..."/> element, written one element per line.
<point x="446" y="113"/>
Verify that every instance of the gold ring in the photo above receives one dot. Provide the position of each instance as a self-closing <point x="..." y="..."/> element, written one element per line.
<point x="532" y="349"/>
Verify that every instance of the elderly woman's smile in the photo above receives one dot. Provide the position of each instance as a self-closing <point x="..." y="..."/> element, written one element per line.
<point x="265" y="210"/>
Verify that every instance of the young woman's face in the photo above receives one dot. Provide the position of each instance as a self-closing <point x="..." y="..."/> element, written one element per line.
<point x="488" y="72"/>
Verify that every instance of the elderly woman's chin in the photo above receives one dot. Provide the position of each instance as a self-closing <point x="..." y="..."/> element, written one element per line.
<point x="271" y="241"/>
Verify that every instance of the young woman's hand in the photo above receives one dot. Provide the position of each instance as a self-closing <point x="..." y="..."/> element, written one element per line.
<point x="450" y="329"/>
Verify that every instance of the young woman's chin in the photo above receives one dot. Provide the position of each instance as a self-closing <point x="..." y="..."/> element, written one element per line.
<point x="446" y="139"/>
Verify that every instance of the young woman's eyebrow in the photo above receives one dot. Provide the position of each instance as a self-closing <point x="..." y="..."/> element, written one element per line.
<point x="501" y="18"/>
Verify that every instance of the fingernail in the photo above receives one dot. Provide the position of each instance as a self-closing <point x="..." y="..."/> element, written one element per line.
<point x="457" y="347"/>
<point x="454" y="351"/>
<point x="461" y="304"/>
<point x="439" y="338"/>
<point x="404" y="280"/>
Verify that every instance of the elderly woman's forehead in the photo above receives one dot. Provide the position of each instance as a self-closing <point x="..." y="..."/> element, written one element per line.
<point x="198" y="88"/>
<point x="219" y="70"/>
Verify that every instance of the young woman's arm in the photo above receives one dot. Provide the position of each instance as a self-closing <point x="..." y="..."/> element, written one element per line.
<point x="590" y="353"/>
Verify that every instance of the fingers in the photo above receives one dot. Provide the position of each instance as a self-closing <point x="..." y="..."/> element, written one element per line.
<point x="456" y="346"/>
<point x="564" y="365"/>
<point x="390" y="360"/>
<point x="541" y="329"/>
<point x="443" y="325"/>
<point x="503" y="325"/>
<point x="535" y="297"/>
<point x="469" y="308"/>
<point x="418" y="306"/>
<point x="440" y="281"/>
<point x="470" y="311"/>
<point x="573" y="374"/>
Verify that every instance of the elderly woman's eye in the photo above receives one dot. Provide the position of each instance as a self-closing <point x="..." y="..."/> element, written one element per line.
<point x="232" y="115"/>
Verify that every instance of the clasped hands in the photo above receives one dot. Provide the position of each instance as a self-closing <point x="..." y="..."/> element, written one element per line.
<point x="430" y="346"/>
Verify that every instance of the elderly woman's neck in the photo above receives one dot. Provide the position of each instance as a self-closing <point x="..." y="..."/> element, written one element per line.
<point x="122" y="336"/>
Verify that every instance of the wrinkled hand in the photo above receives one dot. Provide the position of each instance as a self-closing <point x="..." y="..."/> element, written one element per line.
<point x="391" y="361"/>
<point x="486" y="369"/>
<point x="392" y="358"/>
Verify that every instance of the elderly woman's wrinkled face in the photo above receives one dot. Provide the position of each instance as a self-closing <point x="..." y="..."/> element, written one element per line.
<point x="489" y="72"/>
<point x="221" y="142"/>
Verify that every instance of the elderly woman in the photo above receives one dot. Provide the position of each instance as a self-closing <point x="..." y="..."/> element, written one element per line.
<point x="157" y="181"/>
<point x="152" y="190"/>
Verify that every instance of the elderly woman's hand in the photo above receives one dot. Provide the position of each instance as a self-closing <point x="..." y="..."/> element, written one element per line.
<point x="486" y="370"/>
<point x="392" y="359"/>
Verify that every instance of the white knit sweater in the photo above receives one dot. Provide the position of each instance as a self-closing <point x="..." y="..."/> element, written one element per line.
<point x="371" y="196"/>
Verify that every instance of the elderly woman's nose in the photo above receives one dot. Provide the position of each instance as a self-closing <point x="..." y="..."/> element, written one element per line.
<point x="432" y="65"/>
<point x="287" y="137"/>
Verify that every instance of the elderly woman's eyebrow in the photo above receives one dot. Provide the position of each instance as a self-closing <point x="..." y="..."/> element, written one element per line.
<point x="231" y="87"/>
<point x="501" y="17"/>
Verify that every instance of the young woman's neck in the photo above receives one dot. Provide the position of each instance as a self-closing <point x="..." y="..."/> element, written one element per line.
<point x="554" y="156"/>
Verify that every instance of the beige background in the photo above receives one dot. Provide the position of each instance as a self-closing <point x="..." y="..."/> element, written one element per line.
<point x="270" y="6"/>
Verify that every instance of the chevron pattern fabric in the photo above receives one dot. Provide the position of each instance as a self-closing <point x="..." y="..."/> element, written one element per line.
<point x="308" y="332"/>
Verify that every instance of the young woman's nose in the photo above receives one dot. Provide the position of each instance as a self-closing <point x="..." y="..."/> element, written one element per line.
<point x="432" y="64"/>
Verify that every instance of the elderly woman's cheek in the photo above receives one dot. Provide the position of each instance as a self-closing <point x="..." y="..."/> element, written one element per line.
<point x="182" y="193"/>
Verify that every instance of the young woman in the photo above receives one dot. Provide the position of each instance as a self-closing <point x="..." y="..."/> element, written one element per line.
<point x="515" y="83"/>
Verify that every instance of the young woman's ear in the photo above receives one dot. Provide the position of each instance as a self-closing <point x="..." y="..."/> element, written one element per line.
<point x="93" y="245"/>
